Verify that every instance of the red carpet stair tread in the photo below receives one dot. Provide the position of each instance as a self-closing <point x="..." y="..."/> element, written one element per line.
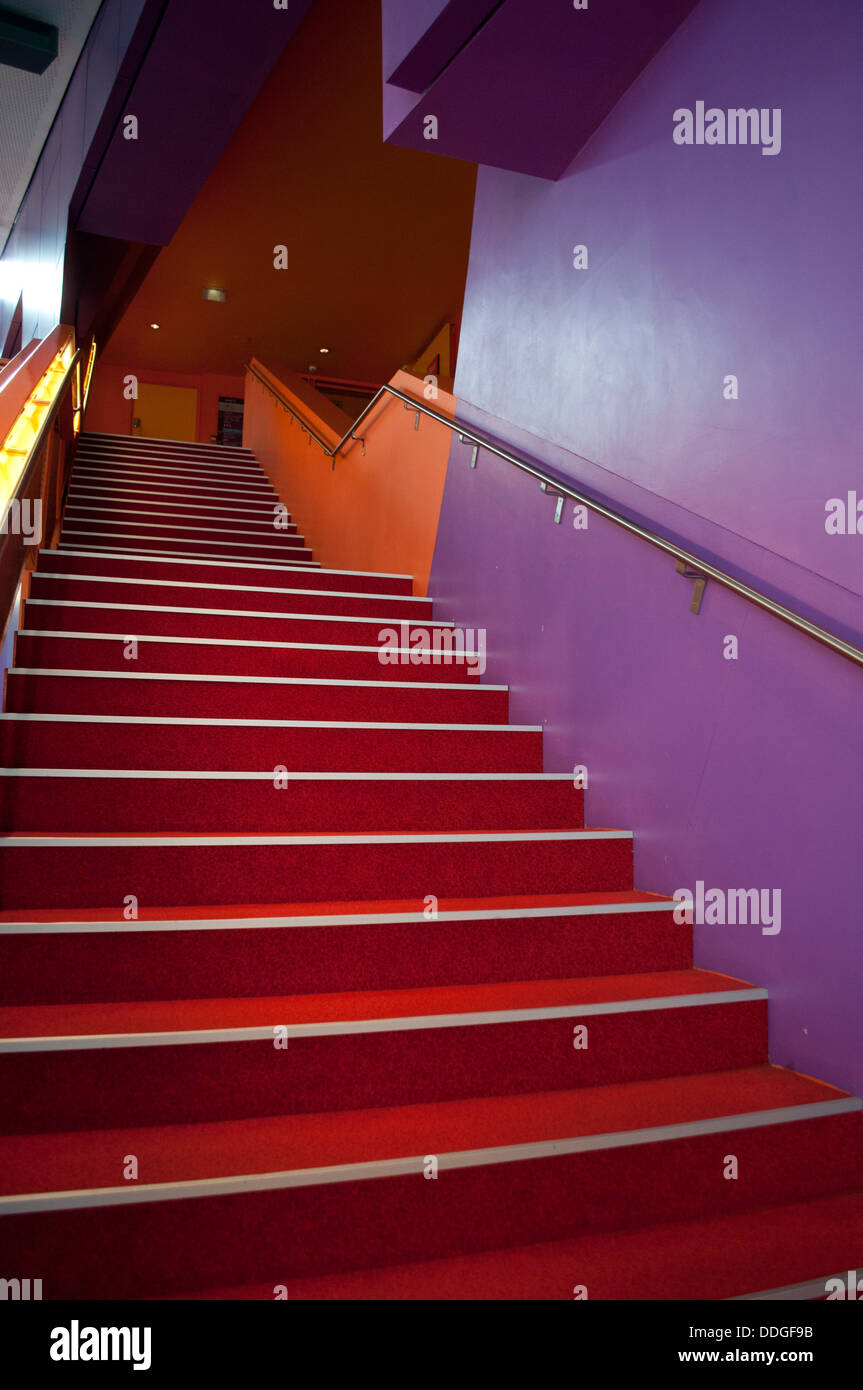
<point x="397" y="1026"/>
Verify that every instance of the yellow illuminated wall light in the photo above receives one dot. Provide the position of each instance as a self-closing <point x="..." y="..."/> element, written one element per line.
<point x="18" y="445"/>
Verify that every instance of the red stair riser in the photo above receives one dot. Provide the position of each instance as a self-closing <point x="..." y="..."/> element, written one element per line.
<point x="257" y="600"/>
<point x="75" y="876"/>
<point x="216" y="460"/>
<point x="177" y="533"/>
<point x="236" y="472"/>
<point x="240" y="474"/>
<point x="120" y="805"/>
<point x="133" y="473"/>
<point x="96" y="967"/>
<point x="88" y="530"/>
<point x="189" y="1083"/>
<point x="286" y="547"/>
<point x="320" y="630"/>
<point x="177" y="523"/>
<point x="158" y="502"/>
<point x="187" y="1244"/>
<point x="233" y="748"/>
<point x="99" y="507"/>
<point x="135" y="482"/>
<point x="159" y="499"/>
<point x="96" y="654"/>
<point x="244" y="700"/>
<point x="219" y="454"/>
<point x="99" y="439"/>
<point x="170" y="470"/>
<point x="233" y="576"/>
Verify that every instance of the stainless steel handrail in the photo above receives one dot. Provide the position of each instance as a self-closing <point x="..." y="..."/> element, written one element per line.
<point x="702" y="568"/>
<point x="292" y="411"/>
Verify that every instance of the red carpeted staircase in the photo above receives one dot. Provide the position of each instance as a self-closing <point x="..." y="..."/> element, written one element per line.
<point x="312" y="980"/>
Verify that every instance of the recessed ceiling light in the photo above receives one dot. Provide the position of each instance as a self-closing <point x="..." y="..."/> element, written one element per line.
<point x="218" y="295"/>
<point x="323" y="349"/>
<point x="154" y="325"/>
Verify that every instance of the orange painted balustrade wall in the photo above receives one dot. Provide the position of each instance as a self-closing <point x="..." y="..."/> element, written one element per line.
<point x="374" y="512"/>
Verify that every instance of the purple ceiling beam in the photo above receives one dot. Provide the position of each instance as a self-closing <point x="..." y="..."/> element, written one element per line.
<point x="535" y="81"/>
<point x="198" y="78"/>
<point x="421" y="38"/>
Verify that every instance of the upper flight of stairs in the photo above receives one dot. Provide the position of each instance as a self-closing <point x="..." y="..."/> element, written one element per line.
<point x="226" y="826"/>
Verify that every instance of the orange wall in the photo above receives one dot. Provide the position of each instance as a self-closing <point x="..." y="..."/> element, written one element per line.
<point x="378" y="235"/>
<point x="378" y="512"/>
<point x="109" y="412"/>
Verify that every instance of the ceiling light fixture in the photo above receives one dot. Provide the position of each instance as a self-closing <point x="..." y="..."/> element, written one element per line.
<point x="323" y="349"/>
<point x="219" y="296"/>
<point x="154" y="325"/>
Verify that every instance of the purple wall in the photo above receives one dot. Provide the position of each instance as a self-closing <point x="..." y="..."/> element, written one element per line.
<point x="518" y="84"/>
<point x="203" y="69"/>
<point x="703" y="261"/>
<point x="419" y="39"/>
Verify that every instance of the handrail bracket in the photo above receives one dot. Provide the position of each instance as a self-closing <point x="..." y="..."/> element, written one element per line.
<point x="558" y="511"/>
<point x="698" y="587"/>
<point x="690" y="566"/>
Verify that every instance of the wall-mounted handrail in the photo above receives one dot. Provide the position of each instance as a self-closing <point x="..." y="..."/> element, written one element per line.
<point x="703" y="568"/>
<point x="290" y="408"/>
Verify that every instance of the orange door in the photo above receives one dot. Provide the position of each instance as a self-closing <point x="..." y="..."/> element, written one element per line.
<point x="165" y="412"/>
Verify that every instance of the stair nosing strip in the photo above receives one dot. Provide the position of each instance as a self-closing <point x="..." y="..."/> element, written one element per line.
<point x="230" y="564"/>
<point x="97" y="1042"/>
<point x="139" y="439"/>
<point x="166" y="480"/>
<point x="414" y="1165"/>
<point x="92" y="460"/>
<point x="810" y="1289"/>
<point x="200" y="775"/>
<point x="193" y="503"/>
<point x="182" y="526"/>
<point x="337" y="919"/>
<point x="237" y="612"/>
<point x="197" y="678"/>
<point x="219" y="455"/>
<point x="117" y="516"/>
<point x="136" y="439"/>
<point x="138" y="553"/>
<point x="119" y="535"/>
<point x="237" y="642"/>
<point x="27" y="840"/>
<point x="147" y="467"/>
<point x="231" y="588"/>
<point x="239" y="501"/>
<point x="325" y="724"/>
<point x="227" y="588"/>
